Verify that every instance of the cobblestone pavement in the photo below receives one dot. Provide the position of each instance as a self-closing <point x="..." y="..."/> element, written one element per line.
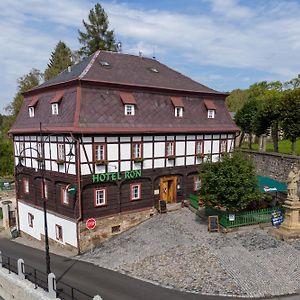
<point x="175" y="250"/>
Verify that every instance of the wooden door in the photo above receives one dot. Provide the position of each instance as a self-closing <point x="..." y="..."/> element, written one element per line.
<point x="168" y="189"/>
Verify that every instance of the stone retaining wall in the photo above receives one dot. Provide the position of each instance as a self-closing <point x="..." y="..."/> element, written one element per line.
<point x="274" y="165"/>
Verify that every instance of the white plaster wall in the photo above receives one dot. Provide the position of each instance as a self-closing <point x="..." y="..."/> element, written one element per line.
<point x="215" y="157"/>
<point x="89" y="139"/>
<point x="113" y="167"/>
<point x="190" y="160"/>
<point x="180" y="161"/>
<point x="125" y="165"/>
<point x="112" y="151"/>
<point x="136" y="138"/>
<point x="159" y="149"/>
<point x="124" y="139"/>
<point x="147" y="150"/>
<point x="137" y="166"/>
<point x="148" y="138"/>
<point x="125" y="151"/>
<point x="215" y="147"/>
<point x="230" y="145"/>
<point x="99" y="169"/>
<point x="170" y="162"/>
<point x="147" y="164"/>
<point x="159" y="138"/>
<point x="180" y="137"/>
<point x="68" y="227"/>
<point x="159" y="163"/>
<point x="180" y="148"/>
<point x="207" y="147"/>
<point x="85" y="170"/>
<point x="112" y="139"/>
<point x="190" y="148"/>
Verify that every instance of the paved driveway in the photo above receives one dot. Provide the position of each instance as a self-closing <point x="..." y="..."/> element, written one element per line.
<point x="175" y="250"/>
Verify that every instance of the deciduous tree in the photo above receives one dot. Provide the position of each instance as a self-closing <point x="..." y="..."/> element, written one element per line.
<point x="230" y="183"/>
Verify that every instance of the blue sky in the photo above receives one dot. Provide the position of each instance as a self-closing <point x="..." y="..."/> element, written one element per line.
<point x="225" y="44"/>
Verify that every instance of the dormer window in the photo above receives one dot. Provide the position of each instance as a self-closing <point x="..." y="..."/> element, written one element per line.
<point x="55" y="109"/>
<point x="129" y="103"/>
<point x="178" y="106"/>
<point x="31" y="111"/>
<point x="129" y="110"/>
<point x="178" y="111"/>
<point x="211" y="114"/>
<point x="32" y="105"/>
<point x="211" y="108"/>
<point x="55" y="102"/>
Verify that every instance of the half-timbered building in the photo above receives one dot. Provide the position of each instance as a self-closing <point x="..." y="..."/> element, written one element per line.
<point x="107" y="139"/>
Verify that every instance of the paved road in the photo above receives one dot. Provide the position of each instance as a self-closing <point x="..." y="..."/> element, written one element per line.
<point x="94" y="280"/>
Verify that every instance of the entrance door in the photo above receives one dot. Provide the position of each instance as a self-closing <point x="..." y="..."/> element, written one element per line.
<point x="168" y="189"/>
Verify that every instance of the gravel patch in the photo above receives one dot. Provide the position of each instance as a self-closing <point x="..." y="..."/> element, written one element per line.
<point x="177" y="251"/>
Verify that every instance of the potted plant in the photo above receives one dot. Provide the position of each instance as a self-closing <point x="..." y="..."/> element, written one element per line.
<point x="101" y="162"/>
<point x="60" y="161"/>
<point x="200" y="155"/>
<point x="171" y="157"/>
<point x="138" y="160"/>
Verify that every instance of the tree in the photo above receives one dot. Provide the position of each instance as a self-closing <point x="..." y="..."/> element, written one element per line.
<point x="59" y="61"/>
<point x="97" y="35"/>
<point x="236" y="99"/>
<point x="25" y="83"/>
<point x="230" y="183"/>
<point x="293" y="83"/>
<point x="290" y="116"/>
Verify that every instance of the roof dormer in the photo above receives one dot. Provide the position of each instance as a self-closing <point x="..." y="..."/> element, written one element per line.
<point x="211" y="108"/>
<point x="178" y="106"/>
<point x="129" y="103"/>
<point x="55" y="101"/>
<point x="31" y="106"/>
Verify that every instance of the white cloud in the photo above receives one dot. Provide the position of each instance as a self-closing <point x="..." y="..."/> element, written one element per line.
<point x="263" y="36"/>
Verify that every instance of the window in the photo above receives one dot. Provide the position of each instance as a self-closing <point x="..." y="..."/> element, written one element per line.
<point x="58" y="232"/>
<point x="31" y="111"/>
<point x="26" y="185"/>
<point x="100" y="197"/>
<point x="30" y="219"/>
<point x="129" y="110"/>
<point x="54" y="108"/>
<point x="170" y="149"/>
<point x="178" y="111"/>
<point x="137" y="150"/>
<point x="22" y="149"/>
<point x="135" y="191"/>
<point x="197" y="183"/>
<point x="61" y="152"/>
<point x="39" y="147"/>
<point x="211" y="113"/>
<point x="199" y="147"/>
<point x="100" y="152"/>
<point x="44" y="189"/>
<point x="64" y="196"/>
<point x="223" y="146"/>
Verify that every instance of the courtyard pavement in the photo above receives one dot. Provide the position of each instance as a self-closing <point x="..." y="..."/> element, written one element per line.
<point x="175" y="250"/>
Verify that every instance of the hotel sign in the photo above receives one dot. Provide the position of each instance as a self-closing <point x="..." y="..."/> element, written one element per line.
<point x="114" y="176"/>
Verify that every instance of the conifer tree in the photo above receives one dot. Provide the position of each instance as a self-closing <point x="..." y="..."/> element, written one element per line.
<point x="59" y="61"/>
<point x="97" y="35"/>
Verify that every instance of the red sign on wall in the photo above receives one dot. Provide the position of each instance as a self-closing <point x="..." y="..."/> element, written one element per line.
<point x="90" y="223"/>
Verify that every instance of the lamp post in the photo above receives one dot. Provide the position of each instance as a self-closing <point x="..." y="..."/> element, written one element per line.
<point x="41" y="168"/>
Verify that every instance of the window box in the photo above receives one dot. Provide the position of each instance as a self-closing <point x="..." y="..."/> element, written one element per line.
<point x="200" y="155"/>
<point x="138" y="160"/>
<point x="171" y="157"/>
<point x="40" y="159"/>
<point x="60" y="161"/>
<point x="101" y="162"/>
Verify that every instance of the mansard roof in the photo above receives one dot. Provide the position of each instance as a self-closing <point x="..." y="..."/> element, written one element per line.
<point x="91" y="100"/>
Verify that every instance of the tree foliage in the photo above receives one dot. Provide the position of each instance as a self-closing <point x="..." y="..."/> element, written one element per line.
<point x="60" y="59"/>
<point x="230" y="183"/>
<point x="290" y="116"/>
<point x="96" y="35"/>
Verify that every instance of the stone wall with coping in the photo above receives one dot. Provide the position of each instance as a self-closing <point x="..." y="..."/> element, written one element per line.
<point x="89" y="239"/>
<point x="13" y="288"/>
<point x="273" y="165"/>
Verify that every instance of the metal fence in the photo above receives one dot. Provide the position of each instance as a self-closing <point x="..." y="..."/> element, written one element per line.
<point x="238" y="219"/>
<point x="64" y="291"/>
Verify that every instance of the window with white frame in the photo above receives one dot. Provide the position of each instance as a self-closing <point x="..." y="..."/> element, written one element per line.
<point x="210" y="113"/>
<point x="100" y="152"/>
<point x="54" y="108"/>
<point x="197" y="183"/>
<point x="100" y="197"/>
<point x="31" y="111"/>
<point x="137" y="150"/>
<point x="135" y="191"/>
<point x="26" y="185"/>
<point x="39" y="147"/>
<point x="61" y="152"/>
<point x="129" y="110"/>
<point x="64" y="196"/>
<point x="58" y="232"/>
<point x="30" y="219"/>
<point x="223" y="146"/>
<point x="170" y="149"/>
<point x="199" y="147"/>
<point x="178" y="111"/>
<point x="44" y="189"/>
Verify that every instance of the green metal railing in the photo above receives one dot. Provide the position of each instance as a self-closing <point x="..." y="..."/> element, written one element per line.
<point x="242" y="218"/>
<point x="194" y="201"/>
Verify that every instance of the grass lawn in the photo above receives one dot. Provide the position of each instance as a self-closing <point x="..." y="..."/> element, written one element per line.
<point x="285" y="146"/>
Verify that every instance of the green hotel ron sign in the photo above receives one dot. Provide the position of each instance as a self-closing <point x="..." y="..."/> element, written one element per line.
<point x="114" y="176"/>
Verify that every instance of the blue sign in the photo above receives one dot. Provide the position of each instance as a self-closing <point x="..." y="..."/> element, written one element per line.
<point x="277" y="218"/>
